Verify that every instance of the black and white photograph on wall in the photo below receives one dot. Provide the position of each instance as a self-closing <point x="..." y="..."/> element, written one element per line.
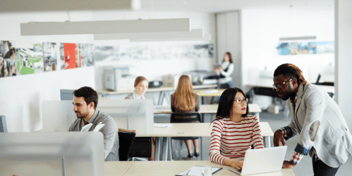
<point x="204" y="51"/>
<point x="2" y="65"/>
<point x="155" y="51"/>
<point x="50" y="56"/>
<point x="8" y="68"/>
<point x="87" y="55"/>
<point x="141" y="52"/>
<point x="78" y="55"/>
<point x="62" y="57"/>
<point x="7" y="49"/>
<point x="106" y="53"/>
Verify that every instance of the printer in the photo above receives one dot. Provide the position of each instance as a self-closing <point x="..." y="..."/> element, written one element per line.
<point x="200" y="77"/>
<point x="117" y="78"/>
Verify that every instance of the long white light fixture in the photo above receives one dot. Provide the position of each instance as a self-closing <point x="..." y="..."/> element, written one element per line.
<point x="206" y="37"/>
<point x="106" y="27"/>
<point x="66" y="5"/>
<point x="194" y="33"/>
<point x="298" y="38"/>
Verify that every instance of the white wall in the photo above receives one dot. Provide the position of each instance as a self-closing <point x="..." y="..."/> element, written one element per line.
<point x="343" y="84"/>
<point x="154" y="69"/>
<point x="21" y="96"/>
<point x="261" y="30"/>
<point x="229" y="40"/>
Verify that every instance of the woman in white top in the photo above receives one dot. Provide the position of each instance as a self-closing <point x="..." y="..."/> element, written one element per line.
<point x="140" y="87"/>
<point x="225" y="70"/>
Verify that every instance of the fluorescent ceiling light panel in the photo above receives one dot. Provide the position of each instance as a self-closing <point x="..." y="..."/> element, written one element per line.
<point x="299" y="38"/>
<point x="207" y="37"/>
<point x="194" y="33"/>
<point x="106" y="27"/>
<point x="66" y="5"/>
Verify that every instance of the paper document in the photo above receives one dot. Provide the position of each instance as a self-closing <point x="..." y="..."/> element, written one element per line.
<point x="99" y="126"/>
<point x="199" y="171"/>
<point x="86" y="127"/>
<point x="163" y="125"/>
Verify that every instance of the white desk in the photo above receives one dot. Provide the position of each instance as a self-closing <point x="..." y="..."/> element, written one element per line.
<point x="163" y="91"/>
<point x="163" y="136"/>
<point x="167" y="168"/>
<point x="207" y="109"/>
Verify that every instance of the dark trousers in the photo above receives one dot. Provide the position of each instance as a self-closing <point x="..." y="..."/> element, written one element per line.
<point x="321" y="169"/>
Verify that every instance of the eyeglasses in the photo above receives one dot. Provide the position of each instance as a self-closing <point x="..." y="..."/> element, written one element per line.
<point x="279" y="86"/>
<point x="242" y="101"/>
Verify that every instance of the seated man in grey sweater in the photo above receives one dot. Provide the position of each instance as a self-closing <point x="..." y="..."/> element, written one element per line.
<point x="84" y="102"/>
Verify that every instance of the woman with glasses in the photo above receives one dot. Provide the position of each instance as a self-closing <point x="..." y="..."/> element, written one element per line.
<point x="233" y="131"/>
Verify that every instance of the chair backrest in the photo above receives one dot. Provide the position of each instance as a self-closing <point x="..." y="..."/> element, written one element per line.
<point x="126" y="139"/>
<point x="319" y="76"/>
<point x="3" y="126"/>
<point x="185" y="117"/>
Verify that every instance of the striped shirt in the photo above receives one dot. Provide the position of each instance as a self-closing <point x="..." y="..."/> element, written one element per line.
<point x="232" y="139"/>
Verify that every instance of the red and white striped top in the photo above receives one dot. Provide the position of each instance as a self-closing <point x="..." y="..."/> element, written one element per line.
<point x="231" y="139"/>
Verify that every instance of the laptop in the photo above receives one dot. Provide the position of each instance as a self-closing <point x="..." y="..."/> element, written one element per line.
<point x="267" y="160"/>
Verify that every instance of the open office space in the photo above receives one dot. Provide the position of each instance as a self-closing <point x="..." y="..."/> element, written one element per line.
<point x="175" y="37"/>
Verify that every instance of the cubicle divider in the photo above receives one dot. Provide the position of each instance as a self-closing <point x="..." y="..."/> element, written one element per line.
<point x="128" y="114"/>
<point x="54" y="154"/>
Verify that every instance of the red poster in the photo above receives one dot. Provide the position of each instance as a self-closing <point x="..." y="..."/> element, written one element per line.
<point x="70" y="55"/>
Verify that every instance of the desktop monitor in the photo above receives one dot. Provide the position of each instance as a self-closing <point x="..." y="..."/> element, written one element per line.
<point x="3" y="126"/>
<point x="54" y="154"/>
<point x="66" y="94"/>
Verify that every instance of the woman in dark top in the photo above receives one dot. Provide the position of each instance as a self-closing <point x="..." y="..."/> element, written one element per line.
<point x="184" y="100"/>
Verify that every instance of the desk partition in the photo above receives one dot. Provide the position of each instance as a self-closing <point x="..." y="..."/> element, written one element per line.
<point x="128" y="114"/>
<point x="54" y="154"/>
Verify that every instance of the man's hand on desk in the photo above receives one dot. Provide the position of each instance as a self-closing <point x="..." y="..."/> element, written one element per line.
<point x="288" y="165"/>
<point x="278" y="137"/>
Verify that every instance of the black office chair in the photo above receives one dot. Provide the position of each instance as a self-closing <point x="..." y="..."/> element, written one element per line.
<point x="181" y="117"/>
<point x="126" y="140"/>
<point x="141" y="149"/>
<point x="3" y="126"/>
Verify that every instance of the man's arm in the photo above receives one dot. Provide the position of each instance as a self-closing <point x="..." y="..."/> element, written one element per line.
<point x="314" y="113"/>
<point x="109" y="131"/>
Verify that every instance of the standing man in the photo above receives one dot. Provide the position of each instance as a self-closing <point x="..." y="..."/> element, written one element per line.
<point x="324" y="134"/>
<point x="85" y="102"/>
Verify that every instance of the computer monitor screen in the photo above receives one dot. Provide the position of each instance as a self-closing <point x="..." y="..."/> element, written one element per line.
<point x="3" y="126"/>
<point x="54" y="154"/>
<point x="66" y="94"/>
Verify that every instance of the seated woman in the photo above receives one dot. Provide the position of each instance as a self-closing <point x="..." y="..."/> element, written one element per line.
<point x="184" y="100"/>
<point x="140" y="87"/>
<point x="233" y="131"/>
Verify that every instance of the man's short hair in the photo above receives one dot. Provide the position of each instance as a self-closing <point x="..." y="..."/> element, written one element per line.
<point x="89" y="95"/>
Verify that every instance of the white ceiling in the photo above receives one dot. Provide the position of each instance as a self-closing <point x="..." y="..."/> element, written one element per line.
<point x="229" y="5"/>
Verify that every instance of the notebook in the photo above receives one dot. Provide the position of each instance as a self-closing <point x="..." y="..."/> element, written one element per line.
<point x="267" y="160"/>
<point x="198" y="171"/>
